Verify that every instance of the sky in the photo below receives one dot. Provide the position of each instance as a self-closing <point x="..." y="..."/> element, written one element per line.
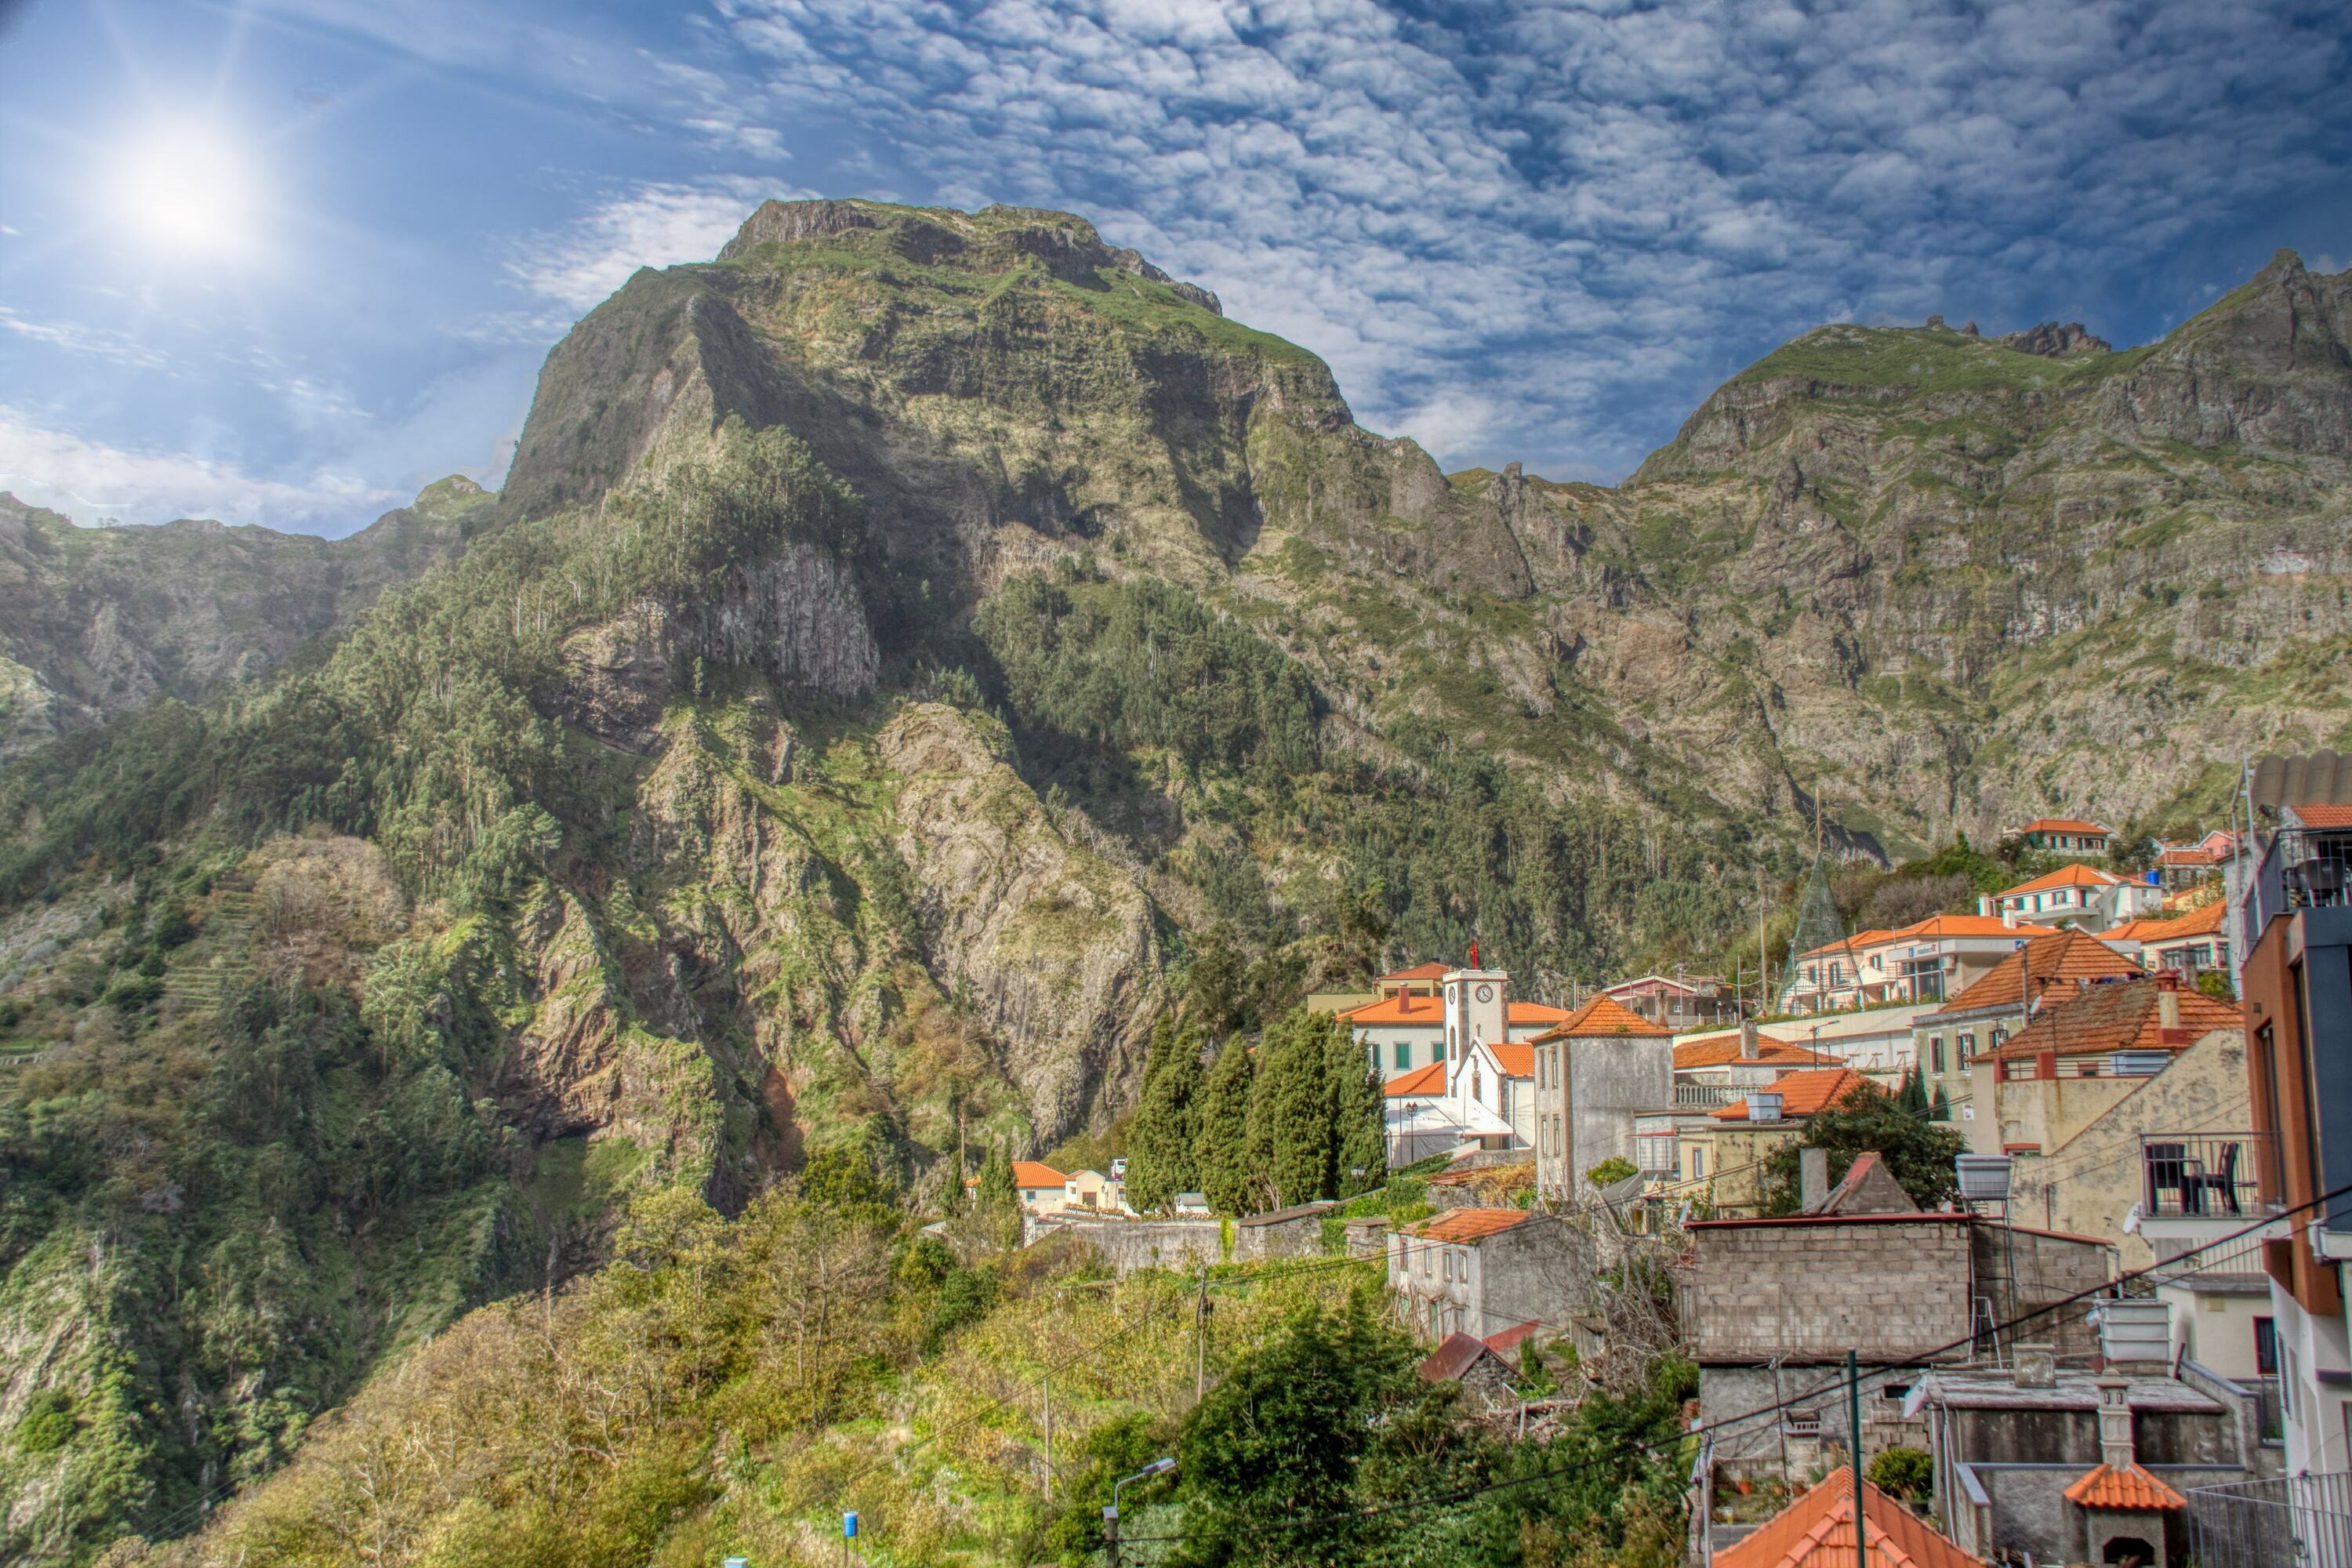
<point x="287" y="261"/>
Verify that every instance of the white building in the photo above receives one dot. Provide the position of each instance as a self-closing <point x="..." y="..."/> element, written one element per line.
<point x="1409" y="1027"/>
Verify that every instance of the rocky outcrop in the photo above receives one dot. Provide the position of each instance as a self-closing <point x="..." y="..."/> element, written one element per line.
<point x="2052" y="340"/>
<point x="1052" y="944"/>
<point x="795" y="618"/>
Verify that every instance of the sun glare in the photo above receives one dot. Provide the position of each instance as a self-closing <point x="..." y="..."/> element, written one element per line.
<point x="189" y="190"/>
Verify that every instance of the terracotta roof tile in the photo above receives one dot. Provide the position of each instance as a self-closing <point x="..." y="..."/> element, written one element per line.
<point x="1456" y="1356"/>
<point x="2324" y="816"/>
<point x="1472" y="1226"/>
<point x="1605" y="1016"/>
<point x="2130" y="1487"/>
<point x="2120" y="1015"/>
<point x="2060" y="825"/>
<point x="1517" y="1059"/>
<point x="2061" y="957"/>
<point x="2076" y="876"/>
<point x="1802" y="1093"/>
<point x="1430" y="971"/>
<point x="1036" y="1173"/>
<point x="1428" y="1080"/>
<point x="1722" y="1049"/>
<point x="1402" y="1008"/>
<point x="2205" y="922"/>
<point x="1816" y="1530"/>
<point x="1534" y="1013"/>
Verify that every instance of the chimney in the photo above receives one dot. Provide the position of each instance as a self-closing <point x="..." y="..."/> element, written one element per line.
<point x="1748" y="1041"/>
<point x="1812" y="1178"/>
<point x="1984" y="904"/>
<point x="2168" y="999"/>
<point x="2115" y="1422"/>
<point x="2008" y="919"/>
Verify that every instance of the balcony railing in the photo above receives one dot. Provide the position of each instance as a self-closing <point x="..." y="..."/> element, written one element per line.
<point x="2304" y="1522"/>
<point x="2201" y="1175"/>
<point x="1707" y="1096"/>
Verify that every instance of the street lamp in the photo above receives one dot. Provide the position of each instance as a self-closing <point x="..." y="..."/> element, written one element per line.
<point x="1159" y="1466"/>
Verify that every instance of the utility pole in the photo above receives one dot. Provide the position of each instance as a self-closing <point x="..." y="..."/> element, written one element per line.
<point x="1854" y="1414"/>
<point x="1049" y="1437"/>
<point x="1763" y="958"/>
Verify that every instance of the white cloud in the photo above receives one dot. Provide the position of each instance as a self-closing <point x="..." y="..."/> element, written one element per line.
<point x="98" y="343"/>
<point x="88" y="481"/>
<point x="653" y="225"/>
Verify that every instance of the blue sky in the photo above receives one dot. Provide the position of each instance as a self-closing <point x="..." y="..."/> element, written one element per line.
<point x="287" y="262"/>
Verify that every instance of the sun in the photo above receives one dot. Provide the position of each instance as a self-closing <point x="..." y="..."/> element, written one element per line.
<point x="189" y="191"/>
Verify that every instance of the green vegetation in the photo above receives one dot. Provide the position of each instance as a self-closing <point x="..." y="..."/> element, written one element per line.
<point x="1905" y="1473"/>
<point x="1917" y="1152"/>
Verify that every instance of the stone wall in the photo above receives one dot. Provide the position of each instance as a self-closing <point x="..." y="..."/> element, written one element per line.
<point x="1787" y="1444"/>
<point x="1126" y="1245"/>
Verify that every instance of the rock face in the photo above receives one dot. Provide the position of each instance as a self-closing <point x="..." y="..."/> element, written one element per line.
<point x="1054" y="943"/>
<point x="2052" y="340"/>
<point x="98" y="622"/>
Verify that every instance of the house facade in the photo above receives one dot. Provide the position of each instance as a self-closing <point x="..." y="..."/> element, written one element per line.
<point x="2066" y="835"/>
<point x="2081" y="896"/>
<point x="1925" y="961"/>
<point x="1478" y="1271"/>
<point x="1592" y="1074"/>
<point x="1947" y="1041"/>
<point x="1723" y="1157"/>
<point x="1679" y="1002"/>
<point x="1422" y="1020"/>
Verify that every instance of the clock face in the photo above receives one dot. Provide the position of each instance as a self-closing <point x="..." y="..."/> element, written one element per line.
<point x="1486" y="993"/>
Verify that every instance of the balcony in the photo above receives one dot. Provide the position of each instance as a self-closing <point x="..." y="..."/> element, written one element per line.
<point x="2203" y="1175"/>
<point x="1707" y="1096"/>
<point x="2300" y="1520"/>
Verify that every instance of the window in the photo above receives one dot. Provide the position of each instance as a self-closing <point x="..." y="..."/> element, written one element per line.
<point x="2265" y="1347"/>
<point x="1936" y="1053"/>
<point x="1968" y="1050"/>
<point x="1403" y="1056"/>
<point x="1698" y="1163"/>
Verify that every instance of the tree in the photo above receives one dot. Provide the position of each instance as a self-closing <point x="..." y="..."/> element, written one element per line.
<point x="1610" y="1172"/>
<point x="996" y="1201"/>
<point x="1917" y="1152"/>
<point x="1907" y="1473"/>
<point x="1290" y="1112"/>
<point x="1221" y="1135"/>
<point x="1160" y="1144"/>
<point x="1359" y="1112"/>
<point x="1911" y="1097"/>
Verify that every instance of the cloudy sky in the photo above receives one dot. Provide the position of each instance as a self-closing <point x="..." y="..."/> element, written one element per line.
<point x="286" y="261"/>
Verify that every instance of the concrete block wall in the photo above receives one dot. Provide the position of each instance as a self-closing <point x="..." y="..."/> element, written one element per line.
<point x="1806" y="1293"/>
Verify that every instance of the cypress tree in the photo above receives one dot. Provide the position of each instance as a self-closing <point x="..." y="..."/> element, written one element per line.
<point x="997" y="1200"/>
<point x="1161" y="1158"/>
<point x="1358" y="1138"/>
<point x="1221" y="1135"/>
<point x="1943" y="1110"/>
<point x="1290" y="1143"/>
<point x="1913" y="1097"/>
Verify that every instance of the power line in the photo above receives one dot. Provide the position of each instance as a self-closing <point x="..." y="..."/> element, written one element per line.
<point x="1914" y="1358"/>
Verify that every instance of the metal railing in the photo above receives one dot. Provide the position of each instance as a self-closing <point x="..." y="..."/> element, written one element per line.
<point x="2304" y="1522"/>
<point x="2187" y="1174"/>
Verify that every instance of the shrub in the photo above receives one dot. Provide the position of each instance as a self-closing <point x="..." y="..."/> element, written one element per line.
<point x="48" y="1423"/>
<point x="1905" y="1473"/>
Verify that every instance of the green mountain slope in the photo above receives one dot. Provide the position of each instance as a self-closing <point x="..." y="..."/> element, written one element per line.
<point x="917" y="649"/>
<point x="96" y="623"/>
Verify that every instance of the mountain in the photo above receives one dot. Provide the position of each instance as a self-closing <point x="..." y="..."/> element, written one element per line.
<point x="916" y="651"/>
<point x="100" y="622"/>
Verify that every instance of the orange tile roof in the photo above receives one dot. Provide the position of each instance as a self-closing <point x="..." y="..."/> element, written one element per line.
<point x="1428" y="1080"/>
<point x="1720" y="1050"/>
<point x="1605" y="1016"/>
<point x="1430" y="971"/>
<point x="1963" y="925"/>
<point x="1472" y="1226"/>
<point x="2119" y="1015"/>
<point x="2061" y="957"/>
<point x="1871" y="938"/>
<point x="2205" y="922"/>
<point x="2188" y="855"/>
<point x="1534" y="1013"/>
<point x="1516" y="1060"/>
<point x="2075" y="876"/>
<point x="1034" y="1174"/>
<point x="1816" y="1530"/>
<point x="2130" y="1487"/>
<point x="1802" y="1093"/>
<point x="1402" y="1008"/>
<point x="2062" y="825"/>
<point x="2320" y="815"/>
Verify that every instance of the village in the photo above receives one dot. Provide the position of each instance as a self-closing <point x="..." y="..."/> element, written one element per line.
<point x="2038" y="1212"/>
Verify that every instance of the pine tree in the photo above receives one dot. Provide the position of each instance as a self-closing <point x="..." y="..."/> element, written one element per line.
<point x="997" y="1200"/>
<point x="1221" y="1132"/>
<point x="1358" y="1135"/>
<point x="1290" y="1143"/>
<point x="1161" y="1158"/>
